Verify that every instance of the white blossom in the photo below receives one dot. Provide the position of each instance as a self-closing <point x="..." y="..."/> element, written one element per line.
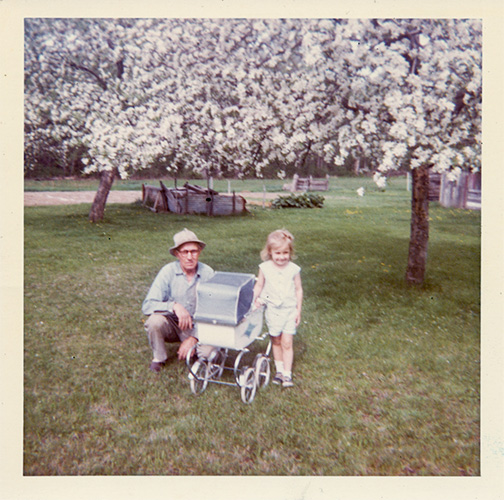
<point x="380" y="180"/>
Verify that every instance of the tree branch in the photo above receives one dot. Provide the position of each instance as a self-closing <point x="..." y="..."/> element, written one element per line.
<point x="100" y="81"/>
<point x="357" y="107"/>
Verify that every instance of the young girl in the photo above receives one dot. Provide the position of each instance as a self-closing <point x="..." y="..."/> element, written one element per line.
<point x="279" y="287"/>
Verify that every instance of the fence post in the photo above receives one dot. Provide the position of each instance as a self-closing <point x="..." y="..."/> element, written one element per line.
<point x="295" y="178"/>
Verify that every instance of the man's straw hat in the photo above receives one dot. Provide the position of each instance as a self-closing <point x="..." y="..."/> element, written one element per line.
<point x="183" y="237"/>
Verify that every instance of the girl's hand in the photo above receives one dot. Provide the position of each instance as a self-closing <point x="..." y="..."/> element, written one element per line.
<point x="298" y="318"/>
<point x="258" y="302"/>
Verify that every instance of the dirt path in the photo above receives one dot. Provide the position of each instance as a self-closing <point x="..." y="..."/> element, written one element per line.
<point x="32" y="199"/>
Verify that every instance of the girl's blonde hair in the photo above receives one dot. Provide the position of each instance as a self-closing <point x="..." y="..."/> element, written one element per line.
<point x="277" y="239"/>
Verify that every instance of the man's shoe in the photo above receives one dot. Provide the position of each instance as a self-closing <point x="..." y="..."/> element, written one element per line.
<point x="278" y="379"/>
<point x="156" y="366"/>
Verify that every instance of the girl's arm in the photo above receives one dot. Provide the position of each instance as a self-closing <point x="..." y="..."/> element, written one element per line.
<point x="259" y="285"/>
<point x="299" y="297"/>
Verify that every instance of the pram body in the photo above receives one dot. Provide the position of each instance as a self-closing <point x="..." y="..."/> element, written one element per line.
<point x="226" y="319"/>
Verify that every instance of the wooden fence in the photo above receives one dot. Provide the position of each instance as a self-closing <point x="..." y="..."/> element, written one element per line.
<point x="307" y="184"/>
<point x="462" y="192"/>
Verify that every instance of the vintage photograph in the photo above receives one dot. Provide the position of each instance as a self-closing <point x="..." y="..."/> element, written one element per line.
<point x="252" y="248"/>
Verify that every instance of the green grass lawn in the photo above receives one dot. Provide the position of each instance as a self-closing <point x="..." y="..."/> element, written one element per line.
<point x="386" y="375"/>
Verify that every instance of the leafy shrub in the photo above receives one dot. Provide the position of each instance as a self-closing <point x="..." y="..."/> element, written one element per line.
<point x="305" y="200"/>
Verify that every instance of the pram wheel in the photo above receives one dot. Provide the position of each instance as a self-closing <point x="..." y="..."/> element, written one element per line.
<point x="248" y="385"/>
<point x="199" y="376"/>
<point x="216" y="363"/>
<point x="190" y="355"/>
<point x="237" y="370"/>
<point x="262" y="371"/>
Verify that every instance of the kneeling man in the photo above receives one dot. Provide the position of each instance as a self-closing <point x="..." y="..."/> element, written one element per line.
<point x="171" y="301"/>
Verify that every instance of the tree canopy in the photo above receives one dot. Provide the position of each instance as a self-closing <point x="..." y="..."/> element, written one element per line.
<point x="235" y="95"/>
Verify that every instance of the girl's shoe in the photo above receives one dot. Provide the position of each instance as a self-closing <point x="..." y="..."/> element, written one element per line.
<point x="278" y="379"/>
<point x="287" y="382"/>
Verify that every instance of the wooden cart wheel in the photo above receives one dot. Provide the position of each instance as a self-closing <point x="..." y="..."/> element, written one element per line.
<point x="199" y="376"/>
<point x="248" y="385"/>
<point x="262" y="371"/>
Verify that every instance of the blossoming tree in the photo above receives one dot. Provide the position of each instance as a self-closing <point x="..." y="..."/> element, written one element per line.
<point x="414" y="96"/>
<point x="400" y="92"/>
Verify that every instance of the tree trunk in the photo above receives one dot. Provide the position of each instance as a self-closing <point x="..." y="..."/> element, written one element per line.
<point x="419" y="236"/>
<point x="98" y="207"/>
<point x="356" y="166"/>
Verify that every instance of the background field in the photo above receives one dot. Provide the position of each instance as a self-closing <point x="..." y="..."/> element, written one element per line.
<point x="387" y="375"/>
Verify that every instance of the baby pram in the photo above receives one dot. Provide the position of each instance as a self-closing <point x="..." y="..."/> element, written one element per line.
<point x="226" y="320"/>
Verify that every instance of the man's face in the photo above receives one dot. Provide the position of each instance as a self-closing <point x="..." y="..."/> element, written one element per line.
<point x="188" y="255"/>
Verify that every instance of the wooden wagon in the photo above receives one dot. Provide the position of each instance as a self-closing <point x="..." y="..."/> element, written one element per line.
<point x="191" y="199"/>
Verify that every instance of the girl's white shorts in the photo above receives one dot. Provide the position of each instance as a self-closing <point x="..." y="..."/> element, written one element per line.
<point x="280" y="320"/>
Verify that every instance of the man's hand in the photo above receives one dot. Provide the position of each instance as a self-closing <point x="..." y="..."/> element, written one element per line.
<point x="186" y="346"/>
<point x="184" y="318"/>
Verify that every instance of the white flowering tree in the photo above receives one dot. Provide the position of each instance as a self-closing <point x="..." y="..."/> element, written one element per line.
<point x="77" y="92"/>
<point x="413" y="95"/>
<point x="400" y="93"/>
